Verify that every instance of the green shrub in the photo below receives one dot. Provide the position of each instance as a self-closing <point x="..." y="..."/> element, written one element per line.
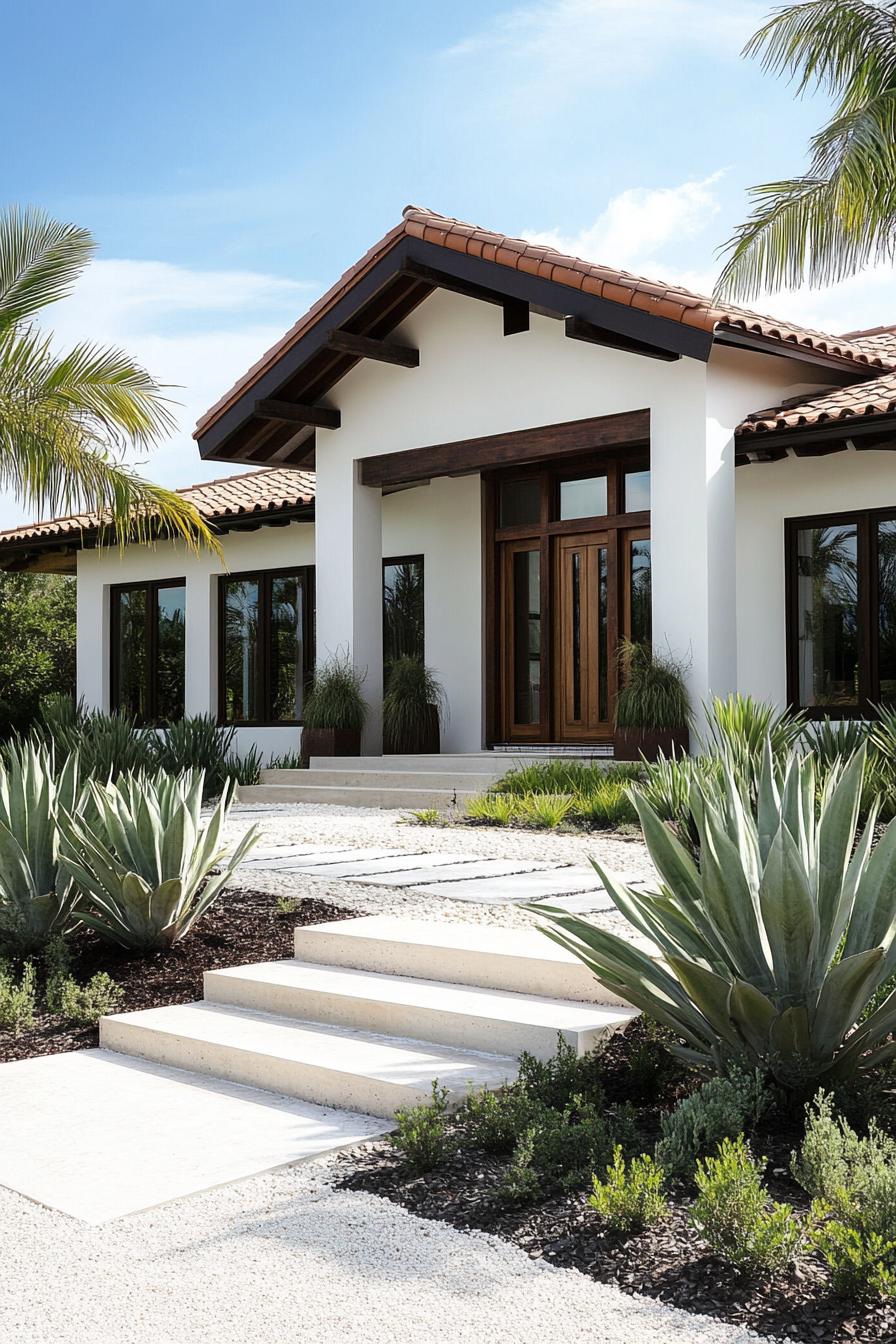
<point x="414" y="701"/>
<point x="335" y="699"/>
<point x="107" y="745"/>
<point x="853" y="1182"/>
<point x="860" y="1263"/>
<point x="84" y="1005"/>
<point x="735" y="1216"/>
<point x="565" y="775"/>
<point x="421" y="1133"/>
<point x="652" y="692"/>
<point x="245" y="769"/>
<point x="547" y="810"/>
<point x="37" y="636"/>
<point x="287" y="905"/>
<point x="500" y="809"/>
<point x="18" y="998"/>
<point x="567" y="1074"/>
<point x="566" y="1146"/>
<point x="739" y="728"/>
<point x="609" y="804"/>
<point x="150" y="867"/>
<point x="36" y="895"/>
<point x="774" y="941"/>
<point x="520" y="1183"/>
<point x="632" y="1197"/>
<point x="835" y="740"/>
<point x="494" y="1121"/>
<point x="722" y="1108"/>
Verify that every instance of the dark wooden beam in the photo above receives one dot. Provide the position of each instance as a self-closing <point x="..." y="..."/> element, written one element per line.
<point x="295" y="413"/>
<point x="498" y="450"/>
<point x="577" y="329"/>
<point x="365" y="347"/>
<point x="516" y="317"/>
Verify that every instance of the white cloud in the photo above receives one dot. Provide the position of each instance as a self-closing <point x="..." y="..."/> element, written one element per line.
<point x="546" y="49"/>
<point x="195" y="331"/>
<point x="639" y="222"/>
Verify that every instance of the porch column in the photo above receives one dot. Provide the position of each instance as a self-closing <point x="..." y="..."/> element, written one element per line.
<point x="693" y="540"/>
<point x="348" y="546"/>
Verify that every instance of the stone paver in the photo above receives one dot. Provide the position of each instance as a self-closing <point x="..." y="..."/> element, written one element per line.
<point x="524" y="887"/>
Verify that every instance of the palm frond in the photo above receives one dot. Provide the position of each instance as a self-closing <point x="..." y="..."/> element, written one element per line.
<point x="40" y="259"/>
<point x="840" y="215"/>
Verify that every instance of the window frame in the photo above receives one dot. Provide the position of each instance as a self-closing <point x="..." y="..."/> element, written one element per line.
<point x="151" y="587"/>
<point x="867" y="598"/>
<point x="417" y="559"/>
<point x="264" y="578"/>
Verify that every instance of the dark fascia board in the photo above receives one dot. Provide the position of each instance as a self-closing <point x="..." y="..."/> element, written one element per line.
<point x="852" y="427"/>
<point x="502" y="281"/>
<point x="767" y="345"/>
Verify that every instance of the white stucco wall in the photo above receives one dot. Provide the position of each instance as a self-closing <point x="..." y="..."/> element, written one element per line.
<point x="766" y="495"/>
<point x="473" y="381"/>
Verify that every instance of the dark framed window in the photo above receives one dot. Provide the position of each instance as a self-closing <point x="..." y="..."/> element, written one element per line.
<point x="403" y="623"/>
<point x="265" y="645"/>
<point x="841" y="612"/>
<point x="148" y="638"/>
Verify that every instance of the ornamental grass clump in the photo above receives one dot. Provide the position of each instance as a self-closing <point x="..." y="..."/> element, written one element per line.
<point x="149" y="867"/>
<point x="36" y="894"/>
<point x="652" y="692"/>
<point x="413" y="707"/>
<point x="773" y="940"/>
<point x="336" y="699"/>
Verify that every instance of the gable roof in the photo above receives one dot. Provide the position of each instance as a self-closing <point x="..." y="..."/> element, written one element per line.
<point x="671" y="304"/>
<point x="253" y="494"/>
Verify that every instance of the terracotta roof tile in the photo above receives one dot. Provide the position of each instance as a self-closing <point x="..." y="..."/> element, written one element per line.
<point x="669" y="301"/>
<point x="271" y="490"/>
<point x="839" y="403"/>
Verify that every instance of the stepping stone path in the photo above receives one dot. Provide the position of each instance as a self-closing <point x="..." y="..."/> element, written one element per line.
<point x="453" y="876"/>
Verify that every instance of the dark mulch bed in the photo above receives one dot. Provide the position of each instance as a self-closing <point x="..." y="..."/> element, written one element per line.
<point x="667" y="1262"/>
<point x="243" y="926"/>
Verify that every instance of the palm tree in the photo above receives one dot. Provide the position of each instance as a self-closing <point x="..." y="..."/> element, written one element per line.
<point x="66" y="420"/>
<point x="841" y="214"/>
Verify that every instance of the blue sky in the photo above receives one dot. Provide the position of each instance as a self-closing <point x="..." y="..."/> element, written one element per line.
<point x="232" y="159"/>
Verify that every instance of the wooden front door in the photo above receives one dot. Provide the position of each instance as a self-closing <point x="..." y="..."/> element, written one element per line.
<point x="581" y="678"/>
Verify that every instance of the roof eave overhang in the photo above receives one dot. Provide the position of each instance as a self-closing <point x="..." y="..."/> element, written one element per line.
<point x="436" y="265"/>
<point x="854" y="371"/>
<point x="865" y="432"/>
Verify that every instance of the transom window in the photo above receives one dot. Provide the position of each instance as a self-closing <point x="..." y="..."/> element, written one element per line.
<point x="266" y="645"/>
<point x="148" y="643"/>
<point x="841" y="626"/>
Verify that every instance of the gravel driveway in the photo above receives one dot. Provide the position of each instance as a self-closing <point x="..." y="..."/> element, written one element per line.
<point x="286" y="1257"/>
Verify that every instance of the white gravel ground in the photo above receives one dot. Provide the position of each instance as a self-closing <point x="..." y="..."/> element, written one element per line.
<point x="369" y="828"/>
<point x="284" y="1258"/>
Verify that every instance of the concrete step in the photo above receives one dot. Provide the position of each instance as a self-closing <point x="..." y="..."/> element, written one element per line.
<point x="486" y="762"/>
<point x="330" y="1066"/>
<point x="522" y="961"/>
<point x="467" y="782"/>
<point x="461" y="1016"/>
<point x="341" y="796"/>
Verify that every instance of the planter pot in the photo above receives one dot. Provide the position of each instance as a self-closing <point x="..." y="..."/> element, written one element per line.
<point x="631" y="744"/>
<point x="330" y="742"/>
<point x="427" y="741"/>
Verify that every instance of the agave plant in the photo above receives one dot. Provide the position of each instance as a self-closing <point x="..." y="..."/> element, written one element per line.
<point x="149" y="868"/>
<point x="36" y="899"/>
<point x="772" y="945"/>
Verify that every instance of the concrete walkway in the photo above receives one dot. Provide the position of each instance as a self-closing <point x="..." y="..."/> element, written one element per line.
<point x="460" y="877"/>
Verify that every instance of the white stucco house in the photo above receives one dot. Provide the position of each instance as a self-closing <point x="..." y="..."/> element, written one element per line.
<point x="558" y="455"/>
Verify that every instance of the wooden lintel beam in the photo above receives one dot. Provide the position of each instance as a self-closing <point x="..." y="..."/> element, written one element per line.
<point x="540" y="444"/>
<point x="366" y="347"/>
<point x="577" y="329"/>
<point x="295" y="413"/>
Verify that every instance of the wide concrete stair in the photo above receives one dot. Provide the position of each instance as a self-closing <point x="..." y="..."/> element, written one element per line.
<point x="371" y="1010"/>
<point x="415" y="782"/>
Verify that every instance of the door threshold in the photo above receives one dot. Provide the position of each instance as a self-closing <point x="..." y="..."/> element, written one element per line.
<point x="586" y="750"/>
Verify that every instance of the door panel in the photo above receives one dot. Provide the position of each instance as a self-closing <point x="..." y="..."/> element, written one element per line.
<point x="581" y="638"/>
